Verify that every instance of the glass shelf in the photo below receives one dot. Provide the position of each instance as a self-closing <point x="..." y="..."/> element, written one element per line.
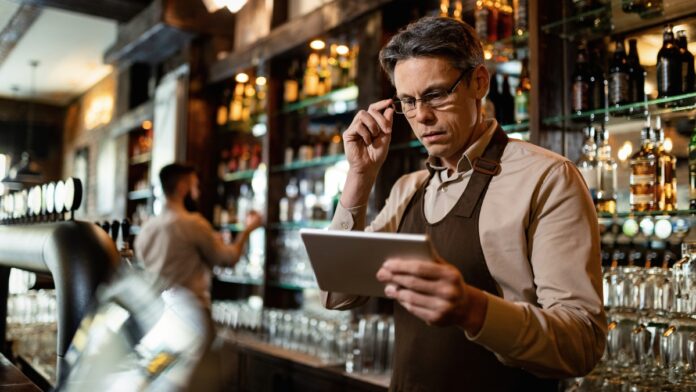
<point x="674" y="104"/>
<point x="596" y="22"/>
<point x="239" y="279"/>
<point x="517" y="127"/>
<point x="140" y="194"/>
<point x="348" y="94"/>
<point x="233" y="227"/>
<point x="239" y="175"/>
<point x="244" y="126"/>
<point x="629" y="214"/>
<point x="140" y="159"/>
<point x="313" y="224"/>
<point x="316" y="162"/>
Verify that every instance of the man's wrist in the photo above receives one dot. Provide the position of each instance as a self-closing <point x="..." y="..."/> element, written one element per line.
<point x="475" y="312"/>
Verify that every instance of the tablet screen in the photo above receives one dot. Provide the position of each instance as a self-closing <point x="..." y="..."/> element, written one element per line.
<point x="347" y="261"/>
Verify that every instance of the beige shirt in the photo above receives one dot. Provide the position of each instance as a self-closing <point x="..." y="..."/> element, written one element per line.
<point x="181" y="248"/>
<point x="539" y="235"/>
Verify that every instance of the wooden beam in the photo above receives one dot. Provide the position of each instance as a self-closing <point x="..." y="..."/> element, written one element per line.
<point x="14" y="30"/>
<point x="146" y="38"/>
<point x="120" y="10"/>
<point x="294" y="33"/>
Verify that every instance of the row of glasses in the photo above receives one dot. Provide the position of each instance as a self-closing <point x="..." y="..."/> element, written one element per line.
<point x="32" y="329"/>
<point x="651" y="341"/>
<point x="364" y="344"/>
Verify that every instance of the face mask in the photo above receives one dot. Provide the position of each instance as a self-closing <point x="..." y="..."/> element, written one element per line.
<point x="190" y="204"/>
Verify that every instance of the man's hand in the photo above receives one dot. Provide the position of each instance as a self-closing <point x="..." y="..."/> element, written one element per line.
<point x="434" y="291"/>
<point x="252" y="221"/>
<point x="366" y="141"/>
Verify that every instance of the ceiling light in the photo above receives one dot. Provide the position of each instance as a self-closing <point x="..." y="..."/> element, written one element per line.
<point x="261" y="81"/>
<point x="317" y="44"/>
<point x="342" y="50"/>
<point x="241" y="77"/>
<point x="232" y="5"/>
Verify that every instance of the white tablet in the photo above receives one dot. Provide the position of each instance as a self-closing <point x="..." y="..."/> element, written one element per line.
<point x="347" y="261"/>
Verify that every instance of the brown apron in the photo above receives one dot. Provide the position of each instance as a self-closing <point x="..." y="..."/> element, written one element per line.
<point x="429" y="358"/>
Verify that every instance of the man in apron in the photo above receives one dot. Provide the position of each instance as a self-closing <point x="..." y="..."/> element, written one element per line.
<point x="512" y="300"/>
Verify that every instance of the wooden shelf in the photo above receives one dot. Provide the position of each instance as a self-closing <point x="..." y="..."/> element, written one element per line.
<point x="141" y="194"/>
<point x="140" y="159"/>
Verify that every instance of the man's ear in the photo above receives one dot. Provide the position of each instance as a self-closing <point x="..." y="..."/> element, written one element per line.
<point x="480" y="79"/>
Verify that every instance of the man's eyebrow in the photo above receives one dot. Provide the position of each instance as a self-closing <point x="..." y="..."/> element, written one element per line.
<point x="427" y="90"/>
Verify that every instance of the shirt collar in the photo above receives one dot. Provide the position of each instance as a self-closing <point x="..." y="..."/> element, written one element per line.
<point x="474" y="151"/>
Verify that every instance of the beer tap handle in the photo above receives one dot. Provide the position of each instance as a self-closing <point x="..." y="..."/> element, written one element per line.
<point x="115" y="226"/>
<point x="106" y="225"/>
<point x="125" y="231"/>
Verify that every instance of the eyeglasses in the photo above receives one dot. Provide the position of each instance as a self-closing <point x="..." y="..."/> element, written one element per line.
<point x="434" y="99"/>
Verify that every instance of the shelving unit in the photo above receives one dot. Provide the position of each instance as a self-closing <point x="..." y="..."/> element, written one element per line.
<point x="140" y="196"/>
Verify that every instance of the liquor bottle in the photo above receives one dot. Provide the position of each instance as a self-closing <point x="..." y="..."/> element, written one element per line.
<point x="619" y="77"/>
<point x="291" y="91"/>
<point x="587" y="164"/>
<point x="580" y="95"/>
<point x="522" y="94"/>
<point x="505" y="20"/>
<point x="666" y="180"/>
<point x="636" y="91"/>
<point x="669" y="69"/>
<point x="643" y="173"/>
<point x="687" y="64"/>
<point x="482" y="12"/>
<point x="520" y="16"/>
<point x="606" y="169"/>
<point x="493" y="98"/>
<point x="310" y="85"/>
<point x="597" y="91"/>
<point x="506" y="110"/>
<point x="287" y="202"/>
<point x="493" y="13"/>
<point x="692" y="171"/>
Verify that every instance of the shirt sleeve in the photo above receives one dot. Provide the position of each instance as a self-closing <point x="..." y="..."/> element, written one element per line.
<point x="565" y="335"/>
<point x="211" y="246"/>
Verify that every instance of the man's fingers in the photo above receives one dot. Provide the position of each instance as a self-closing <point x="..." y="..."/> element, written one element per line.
<point x="370" y="122"/>
<point x="425" y="269"/>
<point x="380" y="105"/>
<point x="378" y="116"/>
<point x="415" y="283"/>
<point x="364" y="133"/>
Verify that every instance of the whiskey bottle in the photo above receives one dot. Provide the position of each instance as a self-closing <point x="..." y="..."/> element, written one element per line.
<point x="580" y="95"/>
<point x="687" y="64"/>
<point x="507" y="104"/>
<point x="597" y="78"/>
<point x="587" y="164"/>
<point x="619" y="77"/>
<point x="643" y="173"/>
<point x="692" y="171"/>
<point x="522" y="94"/>
<point x="520" y="16"/>
<point x="669" y="68"/>
<point x="606" y="170"/>
<point x="636" y="73"/>
<point x="666" y="180"/>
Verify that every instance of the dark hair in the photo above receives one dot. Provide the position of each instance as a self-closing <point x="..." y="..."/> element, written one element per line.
<point x="433" y="36"/>
<point x="171" y="174"/>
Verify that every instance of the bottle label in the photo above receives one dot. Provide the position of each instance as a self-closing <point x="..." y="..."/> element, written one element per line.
<point x="641" y="199"/>
<point x="589" y="174"/>
<point x="521" y="106"/>
<point x="580" y="96"/>
<point x="618" y="88"/>
<point x="642" y="179"/>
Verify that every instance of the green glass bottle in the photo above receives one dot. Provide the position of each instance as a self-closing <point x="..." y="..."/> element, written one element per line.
<point x="692" y="171"/>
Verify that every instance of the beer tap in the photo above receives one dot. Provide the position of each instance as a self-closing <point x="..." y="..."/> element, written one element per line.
<point x="125" y="250"/>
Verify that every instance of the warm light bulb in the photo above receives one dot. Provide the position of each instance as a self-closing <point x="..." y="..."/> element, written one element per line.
<point x="317" y="44"/>
<point x="342" y="50"/>
<point x="667" y="144"/>
<point x="487" y="54"/>
<point x="260" y="81"/>
<point x="147" y="125"/>
<point x="241" y="77"/>
<point x="625" y="151"/>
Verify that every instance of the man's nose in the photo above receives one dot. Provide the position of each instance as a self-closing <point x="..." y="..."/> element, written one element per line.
<point x="424" y="113"/>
